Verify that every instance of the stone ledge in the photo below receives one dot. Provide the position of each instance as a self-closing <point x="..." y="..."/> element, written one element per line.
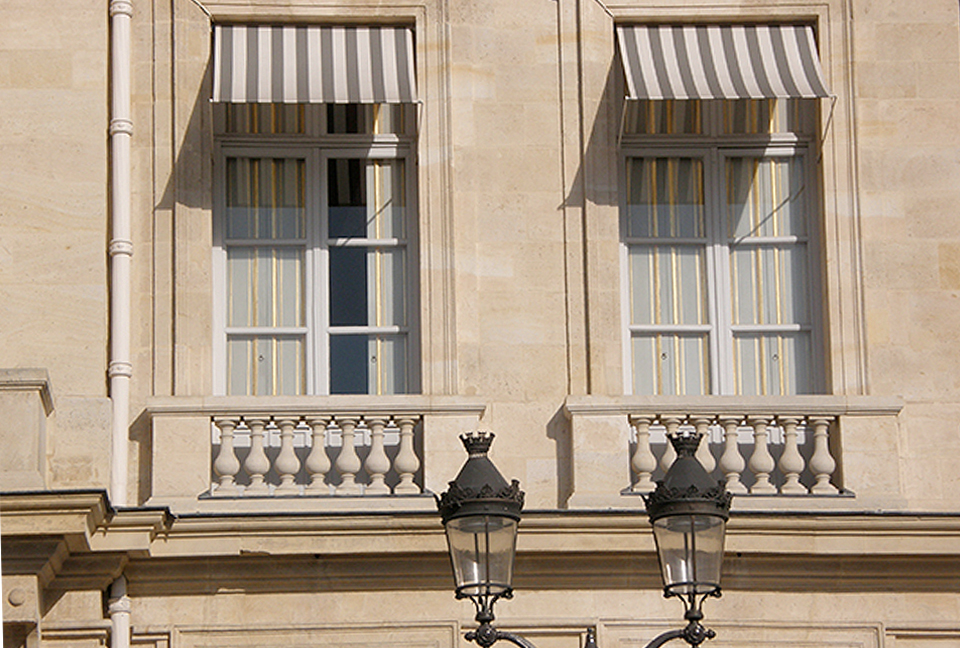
<point x="822" y="405"/>
<point x="25" y="380"/>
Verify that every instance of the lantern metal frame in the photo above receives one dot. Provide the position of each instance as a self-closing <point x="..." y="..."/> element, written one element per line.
<point x="686" y="490"/>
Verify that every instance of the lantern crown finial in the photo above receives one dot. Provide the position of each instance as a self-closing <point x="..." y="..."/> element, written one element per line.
<point x="477" y="443"/>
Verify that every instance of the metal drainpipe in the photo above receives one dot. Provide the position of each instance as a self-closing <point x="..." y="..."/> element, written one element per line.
<point x="119" y="610"/>
<point x="121" y="247"/>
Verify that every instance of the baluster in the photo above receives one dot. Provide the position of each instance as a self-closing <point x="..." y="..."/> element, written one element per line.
<point x="226" y="466"/>
<point x="287" y="463"/>
<point x="704" y="456"/>
<point x="257" y="464"/>
<point x="644" y="462"/>
<point x="407" y="463"/>
<point x="378" y="463"/>
<point x="761" y="461"/>
<point x="348" y="462"/>
<point x="317" y="462"/>
<point x="821" y="463"/>
<point x="791" y="461"/>
<point x="672" y="423"/>
<point x="731" y="461"/>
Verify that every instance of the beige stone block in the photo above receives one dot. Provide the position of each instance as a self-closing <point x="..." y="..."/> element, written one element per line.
<point x="869" y="459"/>
<point x="180" y="458"/>
<point x="26" y="402"/>
<point x="600" y="460"/>
<point x="886" y="79"/>
<point x="948" y="255"/>
<point x="80" y="443"/>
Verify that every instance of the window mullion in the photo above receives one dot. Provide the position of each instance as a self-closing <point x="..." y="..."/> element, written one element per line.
<point x="319" y="274"/>
<point x="721" y="290"/>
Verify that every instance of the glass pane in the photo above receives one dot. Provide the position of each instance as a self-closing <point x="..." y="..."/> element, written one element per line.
<point x="663" y="117"/>
<point x="349" y="364"/>
<point x="690" y="549"/>
<point x="765" y="197"/>
<point x="668" y="284"/>
<point x="367" y="119"/>
<point x="263" y="118"/>
<point x="482" y="549"/>
<point x="367" y="198"/>
<point x="367" y="286"/>
<point x="767" y="116"/>
<point x="671" y="364"/>
<point x="769" y="284"/>
<point x="265" y="365"/>
<point x="368" y="364"/>
<point x="265" y="286"/>
<point x="665" y="198"/>
<point x="265" y="198"/>
<point x="773" y="364"/>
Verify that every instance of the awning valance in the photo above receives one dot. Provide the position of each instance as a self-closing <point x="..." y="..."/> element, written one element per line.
<point x="720" y="61"/>
<point x="313" y="64"/>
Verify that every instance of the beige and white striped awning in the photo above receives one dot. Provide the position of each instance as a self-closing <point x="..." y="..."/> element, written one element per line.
<point x="720" y="61"/>
<point x="313" y="64"/>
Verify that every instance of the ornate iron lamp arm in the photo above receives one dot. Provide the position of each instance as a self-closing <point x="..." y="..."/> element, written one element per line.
<point x="486" y="635"/>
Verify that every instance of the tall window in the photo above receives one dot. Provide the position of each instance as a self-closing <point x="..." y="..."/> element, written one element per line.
<point x="316" y="249"/>
<point x="720" y="225"/>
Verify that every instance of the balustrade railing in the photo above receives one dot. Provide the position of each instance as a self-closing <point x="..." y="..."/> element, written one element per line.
<point x="315" y="455"/>
<point x="754" y="454"/>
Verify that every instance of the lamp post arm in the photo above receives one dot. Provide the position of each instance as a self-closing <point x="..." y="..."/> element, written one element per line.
<point x="669" y="635"/>
<point x="486" y="635"/>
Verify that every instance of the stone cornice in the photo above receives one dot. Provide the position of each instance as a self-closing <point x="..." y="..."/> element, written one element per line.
<point x="400" y="404"/>
<point x="807" y="405"/>
<point x="24" y="380"/>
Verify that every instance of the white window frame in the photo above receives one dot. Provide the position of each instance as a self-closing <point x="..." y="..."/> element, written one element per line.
<point x="713" y="148"/>
<point x="316" y="148"/>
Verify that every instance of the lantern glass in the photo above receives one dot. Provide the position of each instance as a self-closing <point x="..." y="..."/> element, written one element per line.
<point x="690" y="548"/>
<point x="482" y="549"/>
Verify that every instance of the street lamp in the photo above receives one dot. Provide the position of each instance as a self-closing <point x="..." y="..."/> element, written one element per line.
<point x="688" y="511"/>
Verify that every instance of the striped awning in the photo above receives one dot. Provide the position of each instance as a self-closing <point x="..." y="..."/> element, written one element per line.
<point x="720" y="61"/>
<point x="313" y="64"/>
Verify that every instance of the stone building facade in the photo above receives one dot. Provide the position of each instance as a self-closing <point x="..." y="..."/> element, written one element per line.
<point x="264" y="260"/>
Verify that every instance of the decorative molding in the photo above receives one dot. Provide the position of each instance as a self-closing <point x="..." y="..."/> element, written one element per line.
<point x="401" y="404"/>
<point x="25" y="380"/>
<point x="807" y="405"/>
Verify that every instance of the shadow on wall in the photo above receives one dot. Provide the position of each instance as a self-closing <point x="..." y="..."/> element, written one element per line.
<point x="597" y="179"/>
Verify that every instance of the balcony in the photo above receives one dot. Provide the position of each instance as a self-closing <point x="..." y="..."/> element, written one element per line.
<point x="300" y="453"/>
<point x="809" y="452"/>
<point x="348" y="453"/>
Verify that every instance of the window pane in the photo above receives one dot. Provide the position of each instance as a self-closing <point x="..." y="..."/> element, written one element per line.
<point x="265" y="198"/>
<point x="773" y="364"/>
<point x="765" y="197"/>
<point x="668" y="284"/>
<point x="767" y="116"/>
<point x="663" y="117"/>
<point x="367" y="286"/>
<point x="367" y="119"/>
<point x="264" y="118"/>
<point x="769" y="284"/>
<point x="265" y="365"/>
<point x="665" y="198"/>
<point x="368" y="364"/>
<point x="671" y="364"/>
<point x="367" y="198"/>
<point x="265" y="286"/>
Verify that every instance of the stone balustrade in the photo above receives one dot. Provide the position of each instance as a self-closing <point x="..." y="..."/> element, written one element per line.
<point x="218" y="454"/>
<point x="755" y="454"/>
<point x="316" y="455"/>
<point x="830" y="451"/>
